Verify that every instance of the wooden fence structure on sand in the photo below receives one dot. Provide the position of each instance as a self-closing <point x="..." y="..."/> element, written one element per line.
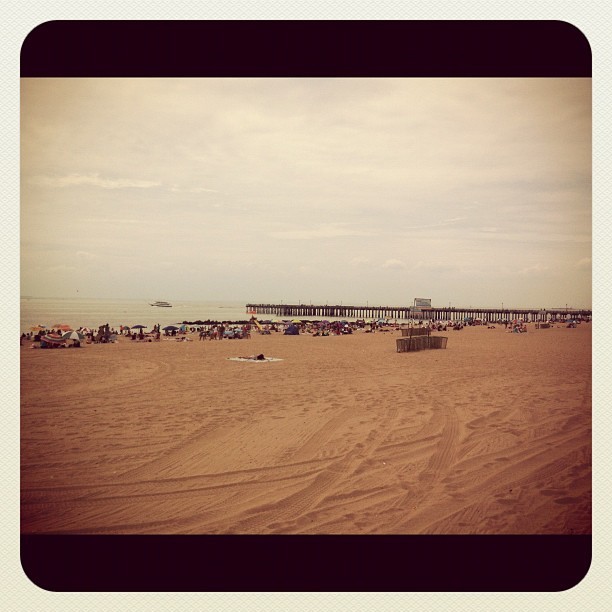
<point x="416" y="331"/>
<point x="418" y="339"/>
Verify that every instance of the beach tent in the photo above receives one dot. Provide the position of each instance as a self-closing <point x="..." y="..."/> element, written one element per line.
<point x="292" y="330"/>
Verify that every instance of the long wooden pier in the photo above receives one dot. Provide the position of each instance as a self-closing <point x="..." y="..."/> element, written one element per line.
<point x="407" y="312"/>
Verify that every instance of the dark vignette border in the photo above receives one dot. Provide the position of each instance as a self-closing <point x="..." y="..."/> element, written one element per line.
<point x="306" y="49"/>
<point x="277" y="563"/>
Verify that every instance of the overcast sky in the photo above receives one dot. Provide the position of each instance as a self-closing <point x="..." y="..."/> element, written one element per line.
<point x="474" y="192"/>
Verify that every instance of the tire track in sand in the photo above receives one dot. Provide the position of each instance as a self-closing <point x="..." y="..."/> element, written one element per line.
<point x="281" y="515"/>
<point x="429" y="480"/>
<point x="318" y="439"/>
<point x="537" y="465"/>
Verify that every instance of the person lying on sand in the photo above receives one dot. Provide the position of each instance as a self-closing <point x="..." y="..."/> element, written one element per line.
<point x="255" y="359"/>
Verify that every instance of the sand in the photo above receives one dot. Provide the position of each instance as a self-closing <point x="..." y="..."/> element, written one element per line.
<point x="343" y="435"/>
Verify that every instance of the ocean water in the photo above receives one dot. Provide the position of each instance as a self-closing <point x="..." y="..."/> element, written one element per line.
<point x="93" y="312"/>
<point x="78" y="312"/>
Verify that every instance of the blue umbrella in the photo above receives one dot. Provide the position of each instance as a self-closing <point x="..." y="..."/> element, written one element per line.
<point x="170" y="327"/>
<point x="139" y="326"/>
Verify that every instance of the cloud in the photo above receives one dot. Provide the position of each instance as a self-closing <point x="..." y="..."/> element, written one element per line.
<point x="72" y="180"/>
<point x="443" y="223"/>
<point x="59" y="269"/>
<point x="323" y="231"/>
<point x="534" y="270"/>
<point x="84" y="255"/>
<point x="584" y="264"/>
<point x="438" y="268"/>
<point x="117" y="221"/>
<point x="177" y="189"/>
<point x="394" y="264"/>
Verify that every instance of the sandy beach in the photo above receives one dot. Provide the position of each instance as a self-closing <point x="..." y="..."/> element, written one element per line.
<point x="342" y="436"/>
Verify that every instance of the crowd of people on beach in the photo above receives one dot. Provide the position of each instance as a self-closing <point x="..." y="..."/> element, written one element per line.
<point x="41" y="337"/>
<point x="516" y="327"/>
<point x="65" y="337"/>
<point x="224" y="331"/>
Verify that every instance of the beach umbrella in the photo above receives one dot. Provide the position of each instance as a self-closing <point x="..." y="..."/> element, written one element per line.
<point x="139" y="326"/>
<point x="296" y="321"/>
<point x="170" y="328"/>
<point x="73" y="335"/>
<point x="52" y="339"/>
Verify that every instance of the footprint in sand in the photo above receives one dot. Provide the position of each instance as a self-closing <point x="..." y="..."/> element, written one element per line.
<point x="567" y="500"/>
<point x="550" y="492"/>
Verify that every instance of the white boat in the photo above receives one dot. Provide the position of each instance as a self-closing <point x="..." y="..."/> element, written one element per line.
<point x="162" y="304"/>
